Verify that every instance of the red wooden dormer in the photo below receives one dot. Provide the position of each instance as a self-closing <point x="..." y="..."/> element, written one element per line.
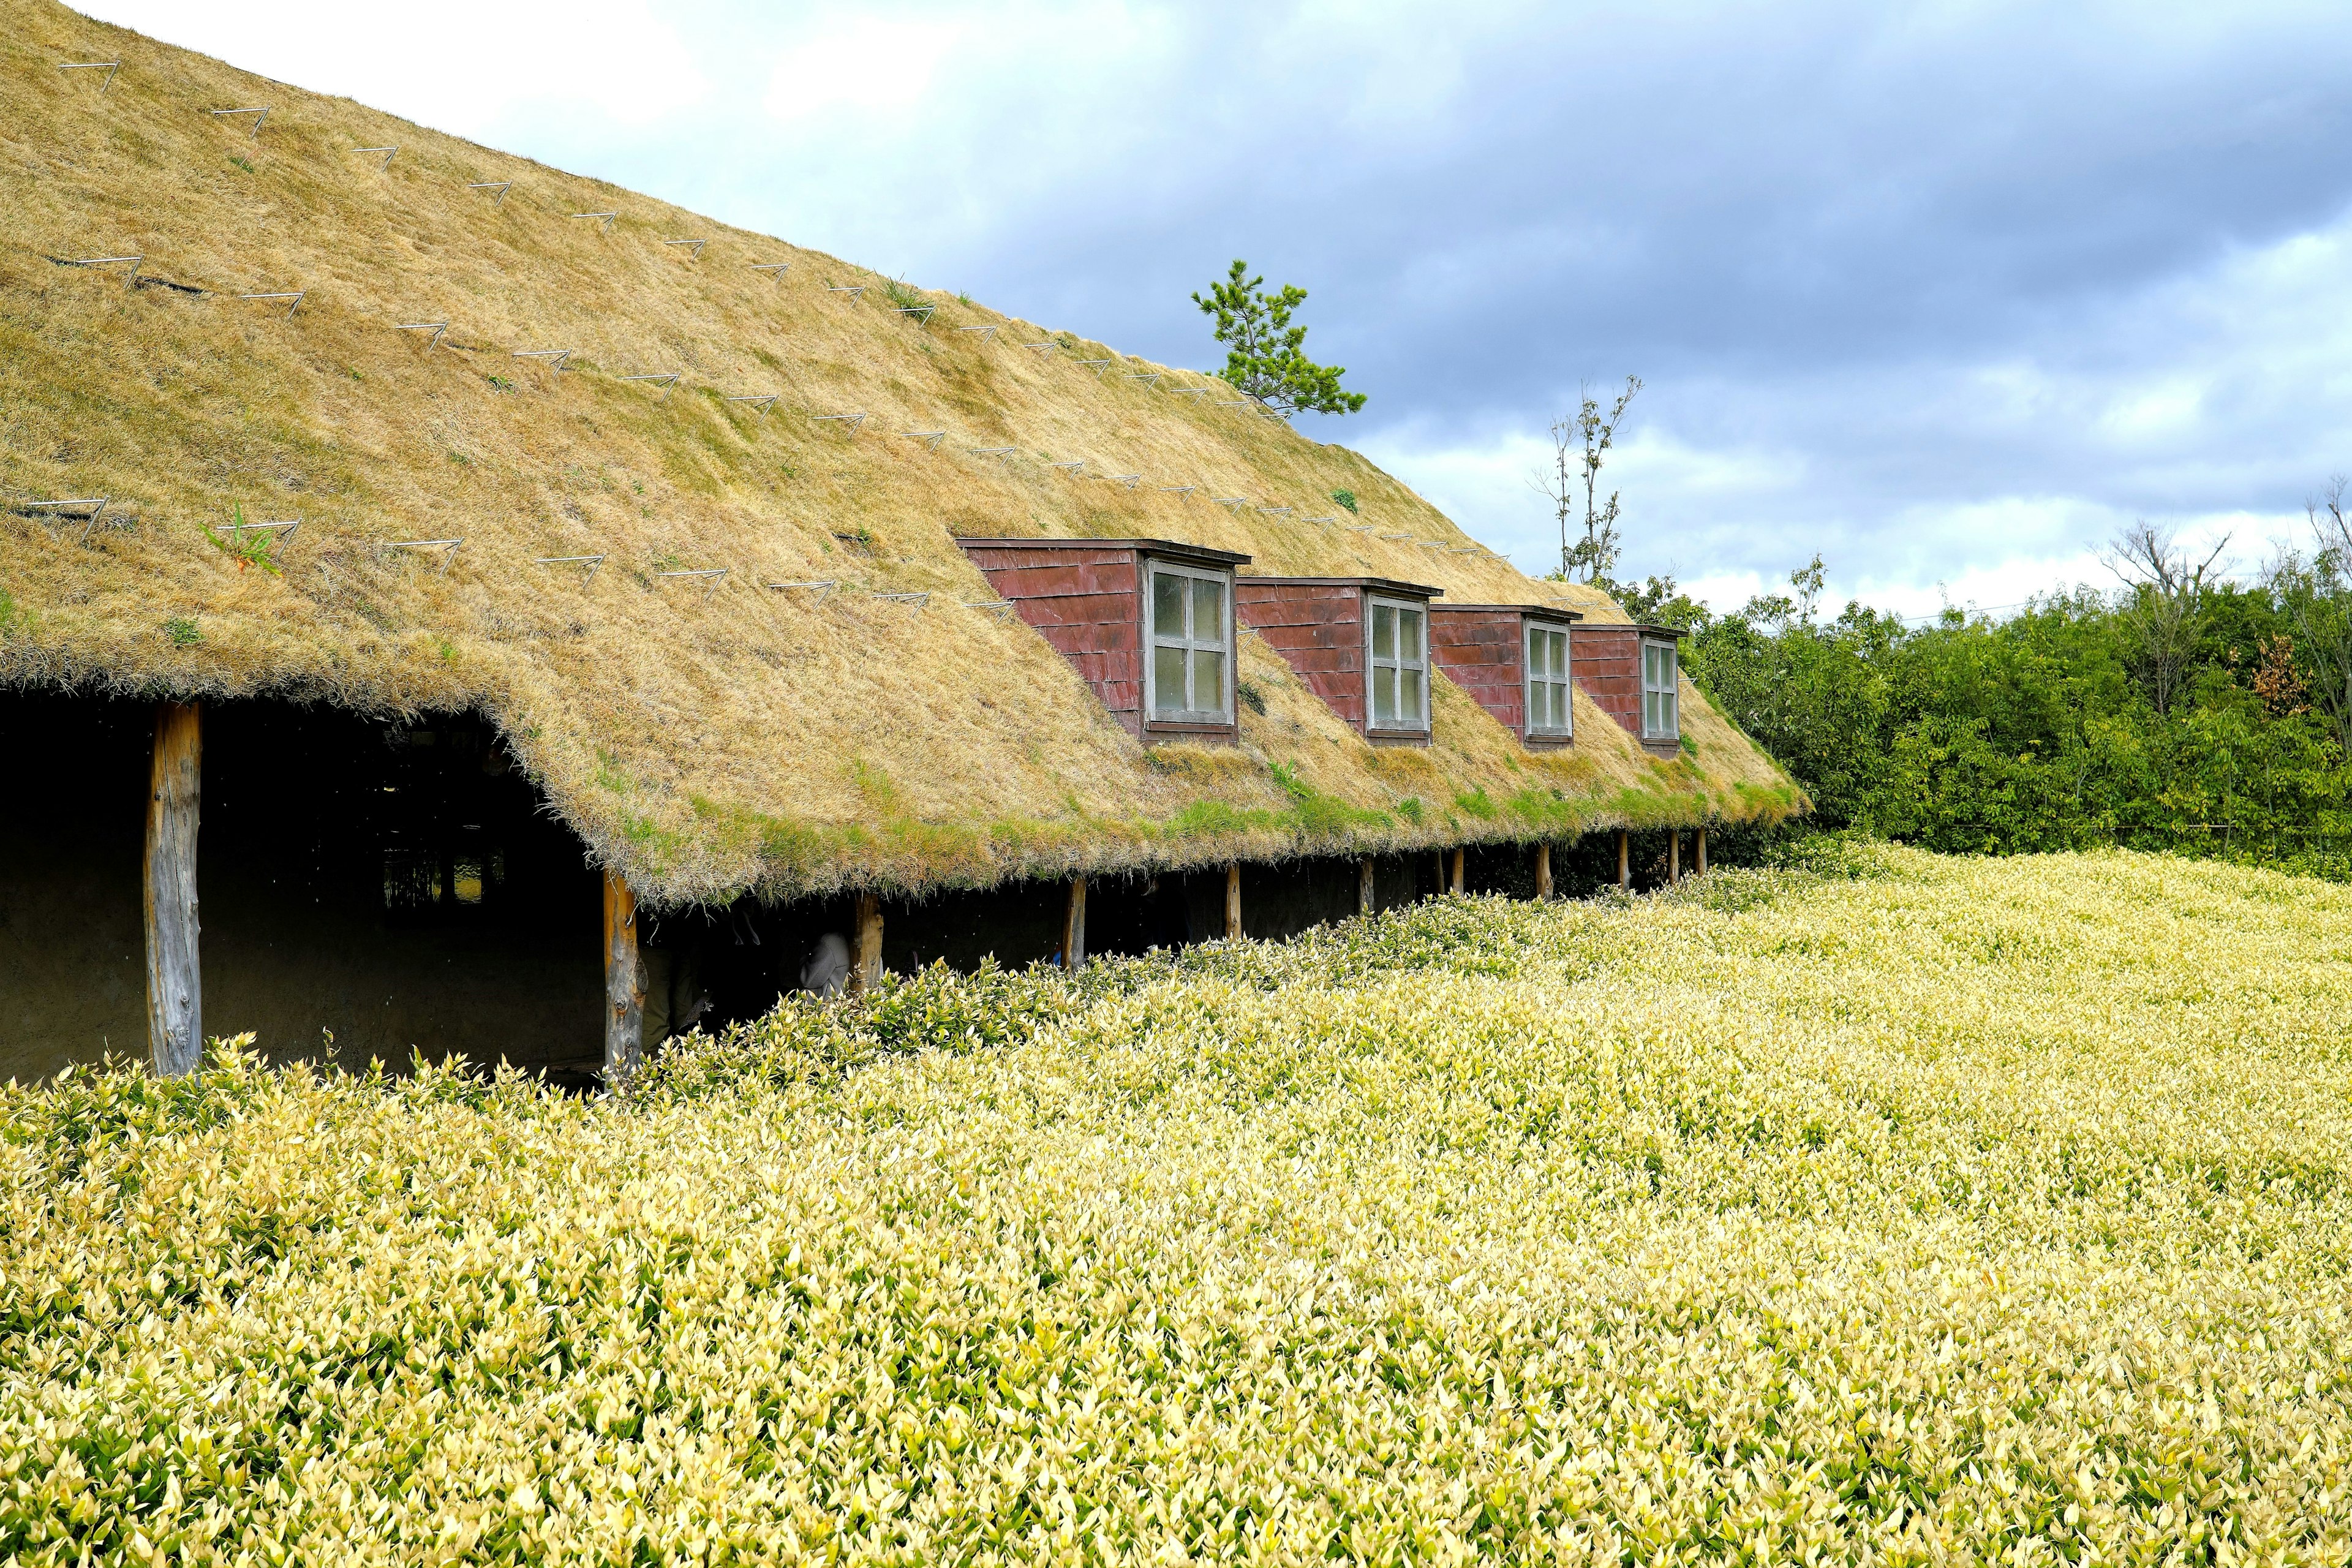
<point x="1147" y="621"/>
<point x="1361" y="644"/>
<point x="1633" y="673"/>
<point x="1516" y="660"/>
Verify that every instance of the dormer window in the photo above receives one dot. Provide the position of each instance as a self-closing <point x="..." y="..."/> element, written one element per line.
<point x="1190" y="672"/>
<point x="1661" y="690"/>
<point x="1546" y="666"/>
<point x="1399" y="665"/>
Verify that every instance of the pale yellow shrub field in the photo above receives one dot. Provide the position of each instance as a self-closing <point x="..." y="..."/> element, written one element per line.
<point x="1946" y="1211"/>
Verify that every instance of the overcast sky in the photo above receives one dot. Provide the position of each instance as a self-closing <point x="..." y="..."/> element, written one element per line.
<point x="1946" y="293"/>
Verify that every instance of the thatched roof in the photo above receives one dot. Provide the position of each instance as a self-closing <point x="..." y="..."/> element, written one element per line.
<point x="708" y="734"/>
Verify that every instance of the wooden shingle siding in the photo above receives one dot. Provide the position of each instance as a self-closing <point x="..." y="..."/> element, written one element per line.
<point x="1484" y="651"/>
<point x="1086" y="602"/>
<point x="1317" y="624"/>
<point x="1606" y="662"/>
<point x="1319" y="629"/>
<point x="1085" y="597"/>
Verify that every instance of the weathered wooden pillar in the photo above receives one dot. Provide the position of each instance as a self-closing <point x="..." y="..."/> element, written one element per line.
<point x="1543" y="870"/>
<point x="865" y="951"/>
<point x="1702" y="852"/>
<point x="624" y="985"/>
<point x="1625" y="859"/>
<point x="1364" y="890"/>
<point x="1454" y="873"/>
<point x="1233" y="902"/>
<point x="1674" y="857"/>
<point x="1073" y="925"/>
<point x="176" y="1004"/>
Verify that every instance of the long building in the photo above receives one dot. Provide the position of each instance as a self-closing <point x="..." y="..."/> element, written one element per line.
<point x="448" y="605"/>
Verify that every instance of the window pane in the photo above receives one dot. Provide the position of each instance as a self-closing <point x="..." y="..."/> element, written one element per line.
<point x="1409" y="635"/>
<point x="1409" y="697"/>
<point x="1555" y="655"/>
<point x="1168" y="681"/>
<point x="1167" y="604"/>
<point x="1208" y="614"/>
<point x="1208" y="681"/>
<point x="1666" y="667"/>
<point x="1383" y="632"/>
<point x="1384" y="680"/>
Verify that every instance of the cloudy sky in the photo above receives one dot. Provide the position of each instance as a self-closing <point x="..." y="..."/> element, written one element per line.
<point x="1944" y="292"/>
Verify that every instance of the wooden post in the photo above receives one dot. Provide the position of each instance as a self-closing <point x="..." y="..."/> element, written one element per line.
<point x="1364" y="899"/>
<point x="176" y="1004"/>
<point x="1453" y="876"/>
<point x="865" y="951"/>
<point x="1625" y="860"/>
<point x="1233" y="902"/>
<point x="1702" y="852"/>
<point x="1674" y="857"/>
<point x="1073" y="925"/>
<point x="1543" y="870"/>
<point x="624" y="987"/>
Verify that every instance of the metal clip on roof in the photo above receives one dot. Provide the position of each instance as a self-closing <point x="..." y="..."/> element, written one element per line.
<point x="109" y="67"/>
<point x="448" y="548"/>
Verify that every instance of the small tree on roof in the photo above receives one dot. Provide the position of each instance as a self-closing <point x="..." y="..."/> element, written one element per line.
<point x="1265" y="358"/>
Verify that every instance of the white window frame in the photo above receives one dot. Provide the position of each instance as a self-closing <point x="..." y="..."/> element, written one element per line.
<point x="1566" y="730"/>
<point x="1372" y="663"/>
<point x="1224" y="714"/>
<point x="1667" y="697"/>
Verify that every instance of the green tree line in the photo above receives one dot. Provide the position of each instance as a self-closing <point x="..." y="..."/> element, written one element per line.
<point x="2181" y="710"/>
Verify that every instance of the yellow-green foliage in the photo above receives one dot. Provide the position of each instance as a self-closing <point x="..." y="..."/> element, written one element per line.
<point x="1934" y="1212"/>
<point x="704" y="735"/>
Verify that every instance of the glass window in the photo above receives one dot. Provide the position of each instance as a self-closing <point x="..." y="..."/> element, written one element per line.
<point x="1548" y="701"/>
<point x="1400" y="665"/>
<point x="1191" y="646"/>
<point x="1661" y="713"/>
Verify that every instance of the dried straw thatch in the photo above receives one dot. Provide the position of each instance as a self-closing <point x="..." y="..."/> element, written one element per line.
<point x="708" y="735"/>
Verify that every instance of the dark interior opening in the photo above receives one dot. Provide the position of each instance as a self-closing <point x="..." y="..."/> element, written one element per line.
<point x="366" y="890"/>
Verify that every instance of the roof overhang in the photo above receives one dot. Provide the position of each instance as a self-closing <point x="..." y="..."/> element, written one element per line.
<point x="1167" y="547"/>
<point x="1543" y="612"/>
<point x="1371" y="584"/>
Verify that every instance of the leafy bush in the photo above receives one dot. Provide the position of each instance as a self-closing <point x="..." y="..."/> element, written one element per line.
<point x="1872" y="1207"/>
<point x="2041" y="732"/>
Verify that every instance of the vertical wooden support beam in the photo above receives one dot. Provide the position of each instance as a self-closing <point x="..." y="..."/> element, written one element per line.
<point x="176" y="1004"/>
<point x="624" y="987"/>
<point x="1233" y="902"/>
<point x="1364" y="899"/>
<point x="1074" y="926"/>
<point x="865" y="951"/>
<point x="1674" y="857"/>
<point x="1454" y="874"/>
<point x="1702" y="852"/>
<point x="1625" y="859"/>
<point x="1543" y="870"/>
